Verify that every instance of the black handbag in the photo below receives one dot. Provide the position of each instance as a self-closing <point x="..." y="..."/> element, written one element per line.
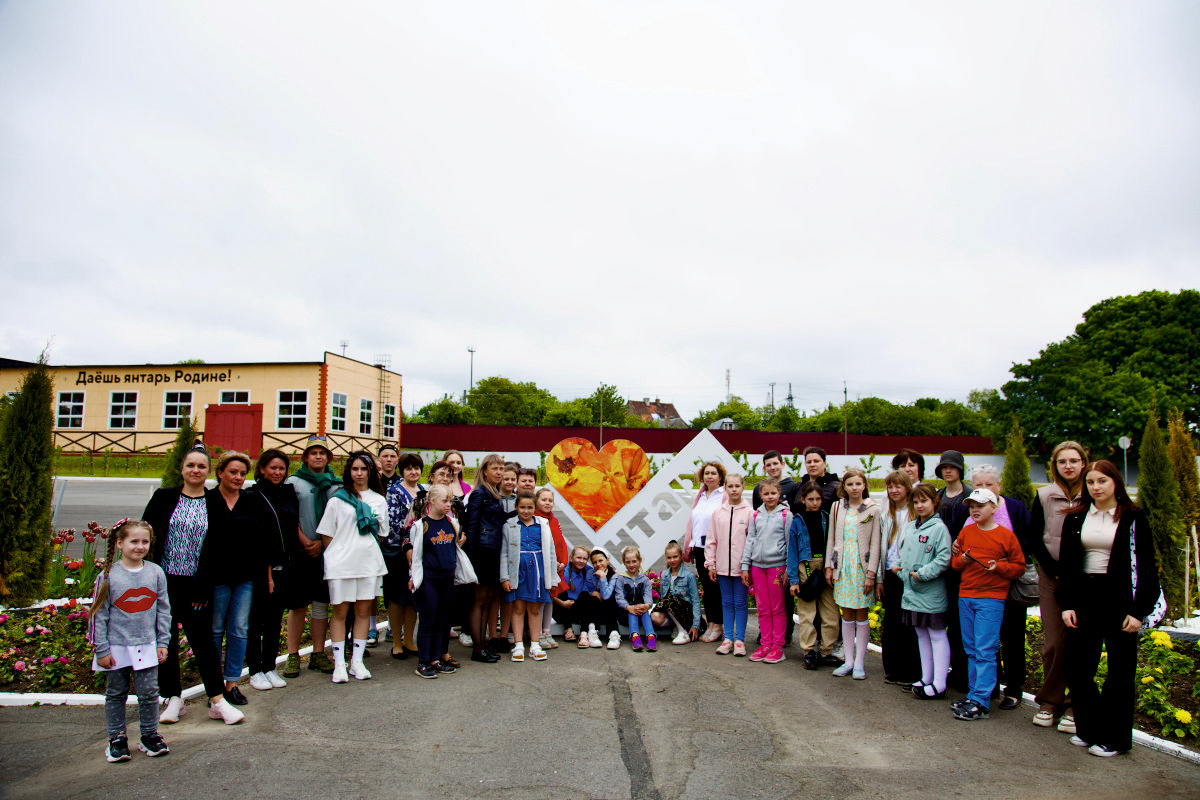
<point x="813" y="585"/>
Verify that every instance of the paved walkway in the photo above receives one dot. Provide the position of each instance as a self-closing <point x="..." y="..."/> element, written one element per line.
<point x="682" y="723"/>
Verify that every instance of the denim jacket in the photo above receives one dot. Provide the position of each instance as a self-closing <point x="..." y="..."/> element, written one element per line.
<point x="684" y="586"/>
<point x="800" y="545"/>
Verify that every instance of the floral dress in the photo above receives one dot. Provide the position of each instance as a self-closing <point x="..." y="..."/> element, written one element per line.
<point x="849" y="590"/>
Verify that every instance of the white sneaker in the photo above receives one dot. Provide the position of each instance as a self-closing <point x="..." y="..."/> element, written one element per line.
<point x="276" y="681"/>
<point x="339" y="674"/>
<point x="594" y="639"/>
<point x="465" y="640"/>
<point x="536" y="652"/>
<point x="225" y="712"/>
<point x="359" y="670"/>
<point x="259" y="681"/>
<point x="518" y="651"/>
<point x="174" y="710"/>
<point x="839" y="651"/>
<point x="681" y="638"/>
<point x="547" y="641"/>
<point x="614" y="640"/>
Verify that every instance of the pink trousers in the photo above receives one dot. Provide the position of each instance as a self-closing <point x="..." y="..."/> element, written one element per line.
<point x="769" y="583"/>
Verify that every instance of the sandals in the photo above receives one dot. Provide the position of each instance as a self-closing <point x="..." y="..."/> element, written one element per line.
<point x="569" y="635"/>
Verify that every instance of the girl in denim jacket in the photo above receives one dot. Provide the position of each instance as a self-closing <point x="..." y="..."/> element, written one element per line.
<point x="680" y="597"/>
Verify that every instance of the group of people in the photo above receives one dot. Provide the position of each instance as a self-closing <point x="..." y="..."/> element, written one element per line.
<point x="488" y="563"/>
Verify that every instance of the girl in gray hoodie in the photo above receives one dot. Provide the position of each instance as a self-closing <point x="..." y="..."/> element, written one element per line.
<point x="764" y="562"/>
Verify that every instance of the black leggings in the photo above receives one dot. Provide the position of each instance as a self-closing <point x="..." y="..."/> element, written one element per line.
<point x="583" y="612"/>
<point x="197" y="626"/>
<point x="433" y="599"/>
<point x="266" y="619"/>
<point x="710" y="590"/>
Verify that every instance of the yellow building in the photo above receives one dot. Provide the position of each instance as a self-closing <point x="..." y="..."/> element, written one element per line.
<point x="247" y="407"/>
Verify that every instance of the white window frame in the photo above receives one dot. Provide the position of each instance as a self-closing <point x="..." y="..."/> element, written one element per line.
<point x="288" y="421"/>
<point x="337" y="421"/>
<point x="234" y="393"/>
<point x="125" y="416"/>
<point x="177" y="406"/>
<point x="366" y="416"/>
<point x="389" y="421"/>
<point x="74" y="420"/>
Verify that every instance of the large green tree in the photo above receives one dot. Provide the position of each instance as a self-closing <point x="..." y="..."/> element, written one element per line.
<point x="27" y="474"/>
<point x="1158" y="493"/>
<point x="1183" y="463"/>
<point x="446" y="412"/>
<point x="499" y="401"/>
<point x="571" y="413"/>
<point x="1099" y="383"/>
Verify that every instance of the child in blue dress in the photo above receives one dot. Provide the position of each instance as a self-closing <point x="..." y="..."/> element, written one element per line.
<point x="528" y="572"/>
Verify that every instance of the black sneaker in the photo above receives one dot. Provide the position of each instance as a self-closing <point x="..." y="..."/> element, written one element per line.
<point x="485" y="656"/>
<point x="152" y="744"/>
<point x="444" y="669"/>
<point x="811" y="659"/>
<point x="426" y="671"/>
<point x="117" y="749"/>
<point x="829" y="661"/>
<point x="971" y="712"/>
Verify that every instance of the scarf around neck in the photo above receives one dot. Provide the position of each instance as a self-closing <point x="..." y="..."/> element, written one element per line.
<point x="322" y="480"/>
<point x="368" y="523"/>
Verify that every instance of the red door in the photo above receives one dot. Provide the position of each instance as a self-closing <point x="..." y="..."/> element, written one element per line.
<point x="234" y="427"/>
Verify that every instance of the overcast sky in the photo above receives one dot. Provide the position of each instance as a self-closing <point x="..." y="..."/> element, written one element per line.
<point x="905" y="196"/>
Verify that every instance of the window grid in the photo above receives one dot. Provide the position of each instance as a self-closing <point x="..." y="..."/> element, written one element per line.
<point x="292" y="413"/>
<point x="389" y="421"/>
<point x="337" y="413"/>
<point x="177" y="406"/>
<point x="366" y="412"/>
<point x="122" y="410"/>
<point x="237" y="397"/>
<point x="70" y="410"/>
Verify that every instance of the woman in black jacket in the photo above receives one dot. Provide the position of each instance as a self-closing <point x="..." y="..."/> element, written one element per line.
<point x="280" y="521"/>
<point x="1108" y="584"/>
<point x="483" y="524"/>
<point x="179" y="517"/>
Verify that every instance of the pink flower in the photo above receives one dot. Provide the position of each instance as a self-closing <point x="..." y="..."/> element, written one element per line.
<point x="64" y="660"/>
<point x="48" y="660"/>
<point x="29" y="630"/>
<point x="3" y="618"/>
<point x="19" y="666"/>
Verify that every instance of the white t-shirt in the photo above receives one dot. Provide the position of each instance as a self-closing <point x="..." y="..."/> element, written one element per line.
<point x="702" y="514"/>
<point x="351" y="554"/>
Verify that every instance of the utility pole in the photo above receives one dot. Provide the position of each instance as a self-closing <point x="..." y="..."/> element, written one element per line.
<point x="845" y="421"/>
<point x="772" y="395"/>
<point x="727" y="394"/>
<point x="471" y="350"/>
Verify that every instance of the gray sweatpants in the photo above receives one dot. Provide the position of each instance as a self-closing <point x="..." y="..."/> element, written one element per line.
<point x="145" y="686"/>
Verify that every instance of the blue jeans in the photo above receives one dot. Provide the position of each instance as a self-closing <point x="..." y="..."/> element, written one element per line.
<point x="979" y="620"/>
<point x="734" y="606"/>
<point x="231" y="622"/>
<point x="647" y="625"/>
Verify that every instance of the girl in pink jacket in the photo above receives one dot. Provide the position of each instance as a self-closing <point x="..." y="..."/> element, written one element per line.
<point x="723" y="560"/>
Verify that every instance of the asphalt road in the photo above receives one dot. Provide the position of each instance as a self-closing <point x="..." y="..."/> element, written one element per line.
<point x="681" y="723"/>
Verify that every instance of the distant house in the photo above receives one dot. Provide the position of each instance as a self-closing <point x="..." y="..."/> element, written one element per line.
<point x="661" y="414"/>
<point x="723" y="424"/>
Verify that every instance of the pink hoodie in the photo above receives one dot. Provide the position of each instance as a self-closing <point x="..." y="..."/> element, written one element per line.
<point x="727" y="538"/>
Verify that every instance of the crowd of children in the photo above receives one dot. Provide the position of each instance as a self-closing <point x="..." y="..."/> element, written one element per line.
<point x="381" y="533"/>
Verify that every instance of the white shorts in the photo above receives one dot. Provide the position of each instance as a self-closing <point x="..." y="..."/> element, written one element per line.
<point x="347" y="590"/>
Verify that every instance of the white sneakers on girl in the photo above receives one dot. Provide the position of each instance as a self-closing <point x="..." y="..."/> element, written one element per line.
<point x="536" y="652"/>
<point x="339" y="674"/>
<point x="518" y="651"/>
<point x="614" y="640"/>
<point x="276" y="681"/>
<point x="225" y="712"/>
<point x="725" y="649"/>
<point x="259" y="681"/>
<point x="174" y="710"/>
<point x="681" y="637"/>
<point x="359" y="670"/>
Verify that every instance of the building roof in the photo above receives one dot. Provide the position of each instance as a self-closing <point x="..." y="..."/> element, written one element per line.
<point x="657" y="412"/>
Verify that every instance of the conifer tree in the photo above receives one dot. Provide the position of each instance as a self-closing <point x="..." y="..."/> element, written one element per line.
<point x="1014" y="481"/>
<point x="1158" y="494"/>
<point x="186" y="439"/>
<point x="26" y="472"/>
<point x="1187" y="477"/>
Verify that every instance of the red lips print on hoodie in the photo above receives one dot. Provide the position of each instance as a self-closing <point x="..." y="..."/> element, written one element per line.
<point x="135" y="600"/>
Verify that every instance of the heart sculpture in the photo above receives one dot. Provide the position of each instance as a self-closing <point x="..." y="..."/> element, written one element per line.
<point x="597" y="483"/>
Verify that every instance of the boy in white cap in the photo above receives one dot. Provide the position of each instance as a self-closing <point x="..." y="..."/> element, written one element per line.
<point x="989" y="558"/>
